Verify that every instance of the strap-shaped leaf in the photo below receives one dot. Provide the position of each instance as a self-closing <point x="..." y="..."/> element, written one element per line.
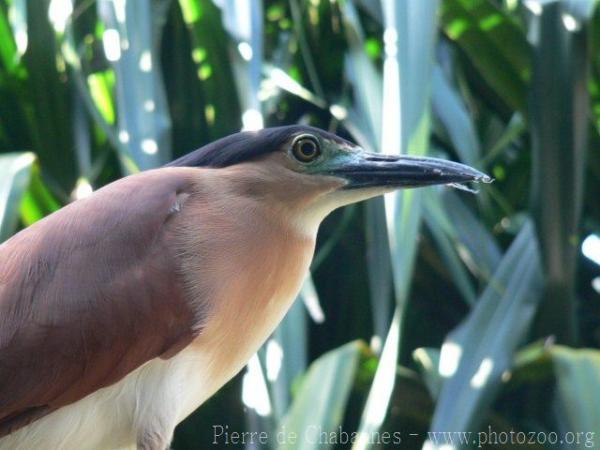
<point x="475" y="355"/>
<point x="15" y="172"/>
<point x="320" y="403"/>
<point x="577" y="375"/>
<point x="494" y="43"/>
<point x="409" y="37"/>
<point x="451" y="110"/>
<point x="143" y="116"/>
<point x="559" y="123"/>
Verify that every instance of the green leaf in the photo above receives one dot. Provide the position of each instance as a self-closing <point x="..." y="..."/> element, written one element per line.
<point x="453" y="113"/>
<point x="379" y="266"/>
<point x="445" y="236"/>
<point x="428" y="361"/>
<point x="285" y="82"/>
<point x="38" y="201"/>
<point x="100" y="85"/>
<point x="364" y="115"/>
<point x="532" y="364"/>
<point x="411" y="31"/>
<point x="382" y="387"/>
<point x="143" y="117"/>
<point x="477" y="353"/>
<point x="320" y="403"/>
<point x="305" y="50"/>
<point x="8" y="50"/>
<point x="559" y="124"/>
<point x="211" y="48"/>
<point x="515" y="128"/>
<point x="15" y="173"/>
<point x="50" y="124"/>
<point x="577" y="375"/>
<point x="494" y="43"/>
<point x="291" y="340"/>
<point x="245" y="26"/>
<point x="18" y="21"/>
<point x="410" y="35"/>
<point x="477" y="246"/>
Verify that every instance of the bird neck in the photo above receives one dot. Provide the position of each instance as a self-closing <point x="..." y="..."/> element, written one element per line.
<point x="228" y="234"/>
<point x="243" y="267"/>
<point x="297" y="202"/>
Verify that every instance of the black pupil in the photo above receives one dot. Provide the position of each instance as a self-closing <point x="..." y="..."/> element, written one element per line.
<point x="308" y="149"/>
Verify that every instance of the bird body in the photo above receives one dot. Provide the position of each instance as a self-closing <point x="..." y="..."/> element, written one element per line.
<point x="233" y="274"/>
<point x="123" y="312"/>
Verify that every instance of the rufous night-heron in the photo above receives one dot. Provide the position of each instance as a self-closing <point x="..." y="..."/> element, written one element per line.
<point x="123" y="312"/>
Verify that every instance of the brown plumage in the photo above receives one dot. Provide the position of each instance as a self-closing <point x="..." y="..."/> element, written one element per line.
<point x="70" y="327"/>
<point x="121" y="313"/>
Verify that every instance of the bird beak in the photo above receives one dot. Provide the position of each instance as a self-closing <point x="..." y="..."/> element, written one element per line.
<point x="378" y="170"/>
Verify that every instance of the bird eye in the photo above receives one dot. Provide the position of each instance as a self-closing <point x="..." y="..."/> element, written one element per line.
<point x="306" y="150"/>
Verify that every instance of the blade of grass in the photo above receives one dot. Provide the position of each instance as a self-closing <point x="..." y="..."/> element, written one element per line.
<point x="378" y="401"/>
<point x="131" y="46"/>
<point x="18" y="21"/>
<point x="515" y="128"/>
<point x="307" y="56"/>
<point x="212" y="55"/>
<point x="320" y="403"/>
<point x="559" y="123"/>
<point x="409" y="36"/>
<point x="244" y="23"/>
<point x="379" y="267"/>
<point x="47" y="83"/>
<point x="9" y="57"/>
<point x="475" y="355"/>
<point x="428" y="361"/>
<point x="530" y="365"/>
<point x="82" y="139"/>
<point x="326" y="248"/>
<point x="478" y="248"/>
<point x="366" y="82"/>
<point x="449" y="107"/>
<point x="285" y="82"/>
<point x="494" y="43"/>
<point x="283" y="367"/>
<point x="15" y="173"/>
<point x="577" y="375"/>
<point x="443" y="234"/>
<point x="37" y="201"/>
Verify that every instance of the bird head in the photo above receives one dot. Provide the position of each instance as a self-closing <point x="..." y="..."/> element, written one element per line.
<point x="315" y="172"/>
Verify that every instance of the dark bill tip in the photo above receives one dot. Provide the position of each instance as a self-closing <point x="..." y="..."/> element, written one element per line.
<point x="373" y="170"/>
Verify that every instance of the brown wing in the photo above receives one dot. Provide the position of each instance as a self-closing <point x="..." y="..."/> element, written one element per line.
<point x="89" y="294"/>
